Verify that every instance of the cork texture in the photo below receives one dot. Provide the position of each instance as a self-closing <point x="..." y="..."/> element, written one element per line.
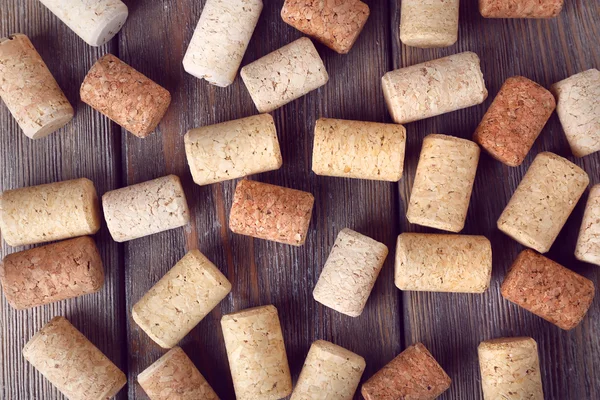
<point x="520" y="8"/>
<point x="434" y="87"/>
<point x="429" y="23"/>
<point x="588" y="242"/>
<point x="72" y="363"/>
<point x="350" y="272"/>
<point x="356" y="149"/>
<point x="284" y="75"/>
<point x="543" y="201"/>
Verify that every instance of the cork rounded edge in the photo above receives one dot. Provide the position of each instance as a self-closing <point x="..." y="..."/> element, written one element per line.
<point x="142" y="324"/>
<point x="250" y="312"/>
<point x="147" y="374"/>
<point x="116" y="387"/>
<point x="212" y="270"/>
<point x="552" y="156"/>
<point x="506" y="342"/>
<point x="58" y="320"/>
<point x="339" y="351"/>
<point x="92" y="203"/>
<point x="109" y="27"/>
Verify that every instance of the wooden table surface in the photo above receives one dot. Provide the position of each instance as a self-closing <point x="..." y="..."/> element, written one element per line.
<point x="153" y="41"/>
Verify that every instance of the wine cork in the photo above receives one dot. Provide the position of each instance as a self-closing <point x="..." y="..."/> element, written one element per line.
<point x="256" y="353"/>
<point x="53" y="211"/>
<point x="520" y="8"/>
<point x="356" y="149"/>
<point x="233" y="149"/>
<point x="337" y="24"/>
<point x="145" y="208"/>
<point x="29" y="90"/>
<point x="72" y="363"/>
<point x="271" y="212"/>
<point x="284" y="75"/>
<point x="434" y="87"/>
<point x="443" y="183"/>
<point x="515" y="120"/>
<point x="221" y="39"/>
<point x="543" y="201"/>
<point x="588" y="242"/>
<point x="350" y="272"/>
<point x="429" y="23"/>
<point x="125" y="96"/>
<point x="548" y="289"/>
<point x="181" y="299"/>
<point x="329" y="372"/>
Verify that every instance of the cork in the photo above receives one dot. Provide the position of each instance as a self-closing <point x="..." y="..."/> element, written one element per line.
<point x="146" y="208"/>
<point x="271" y="212"/>
<point x="429" y="23"/>
<point x="181" y="299"/>
<point x="256" y="354"/>
<point x="53" y="211"/>
<point x="221" y="39"/>
<point x="233" y="149"/>
<point x="175" y="377"/>
<point x="29" y="90"/>
<point x="434" y="87"/>
<point x="588" y="242"/>
<point x="510" y="369"/>
<point x="578" y="109"/>
<point x="329" y="372"/>
<point x="413" y="374"/>
<point x="543" y="201"/>
<point x="515" y="120"/>
<point x="125" y="96"/>
<point x="335" y="23"/>
<point x="520" y="8"/>
<point x="72" y="363"/>
<point x="443" y="183"/>
<point x="350" y="272"/>
<point x="284" y="75"/>
<point x="357" y="149"/>
<point x="548" y="289"/>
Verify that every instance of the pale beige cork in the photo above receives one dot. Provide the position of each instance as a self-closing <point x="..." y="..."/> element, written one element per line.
<point x="233" y="149"/>
<point x="429" y="23"/>
<point x="256" y="353"/>
<point x="350" y="272"/>
<point x="441" y="192"/>
<point x="221" y="39"/>
<point x="543" y="201"/>
<point x="588" y="242"/>
<point x="357" y="149"/>
<point x="53" y="211"/>
<point x="29" y="90"/>
<point x="284" y="75"/>
<point x="181" y="299"/>
<point x="520" y="8"/>
<point x="329" y="372"/>
<point x="65" y="357"/>
<point x="510" y="369"/>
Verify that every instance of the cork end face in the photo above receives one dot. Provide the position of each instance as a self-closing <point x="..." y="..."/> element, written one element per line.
<point x="147" y="374"/>
<point x="428" y="41"/>
<point x="60" y="119"/>
<point x="143" y="324"/>
<point x="249" y="313"/>
<point x="108" y="27"/>
<point x="58" y="323"/>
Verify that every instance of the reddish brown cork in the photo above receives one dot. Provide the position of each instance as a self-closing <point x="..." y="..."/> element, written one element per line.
<point x="520" y="8"/>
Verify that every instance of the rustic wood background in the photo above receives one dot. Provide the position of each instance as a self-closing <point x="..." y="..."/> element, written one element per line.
<point x="154" y="41"/>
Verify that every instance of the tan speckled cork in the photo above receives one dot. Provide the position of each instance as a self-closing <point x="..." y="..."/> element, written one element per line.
<point x="429" y="23"/>
<point x="357" y="149"/>
<point x="443" y="184"/>
<point x="434" y="87"/>
<point x="29" y="90"/>
<point x="350" y="272"/>
<point x="233" y="149"/>
<point x="588" y="242"/>
<point x="514" y="120"/>
<point x="256" y="354"/>
<point x="520" y="8"/>
<point x="284" y="75"/>
<point x="125" y="96"/>
<point x="53" y="211"/>
<point x="72" y="363"/>
<point x="543" y="201"/>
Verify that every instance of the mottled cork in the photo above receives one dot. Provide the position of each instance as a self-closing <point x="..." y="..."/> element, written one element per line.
<point x="125" y="96"/>
<point x="29" y="90"/>
<point x="520" y="8"/>
<point x="588" y="242"/>
<point x="357" y="149"/>
<point x="515" y="120"/>
<point x="284" y="75"/>
<point x="548" y="289"/>
<point x="256" y="354"/>
<point x="429" y="23"/>
<point x="72" y="363"/>
<point x="543" y="201"/>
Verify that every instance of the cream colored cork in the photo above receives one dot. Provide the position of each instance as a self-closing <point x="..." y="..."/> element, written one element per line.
<point x="181" y="299"/>
<point x="221" y="39"/>
<point x="53" y="211"/>
<point x="543" y="201"/>
<point x="356" y="149"/>
<point x="233" y="149"/>
<point x="284" y="75"/>
<point x="434" y="87"/>
<point x="588" y="243"/>
<point x="443" y="184"/>
<point x="29" y="90"/>
<point x="429" y="23"/>
<point x="72" y="363"/>
<point x="256" y="353"/>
